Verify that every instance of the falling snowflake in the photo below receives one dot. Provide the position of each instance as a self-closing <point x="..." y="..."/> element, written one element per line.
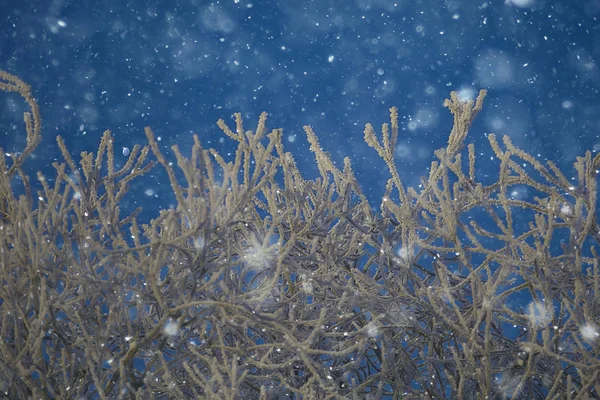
<point x="260" y="256"/>
<point x="539" y="314"/>
<point x="590" y="332"/>
<point x="171" y="327"/>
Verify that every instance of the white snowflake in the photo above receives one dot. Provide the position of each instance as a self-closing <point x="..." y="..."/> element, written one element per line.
<point x="539" y="314"/>
<point x="260" y="256"/>
<point x="590" y="332"/>
<point x="171" y="327"/>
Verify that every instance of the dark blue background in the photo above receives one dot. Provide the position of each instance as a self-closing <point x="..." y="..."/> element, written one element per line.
<point x="179" y="66"/>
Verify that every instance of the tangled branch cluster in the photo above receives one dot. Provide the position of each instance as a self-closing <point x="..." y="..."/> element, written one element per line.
<point x="261" y="284"/>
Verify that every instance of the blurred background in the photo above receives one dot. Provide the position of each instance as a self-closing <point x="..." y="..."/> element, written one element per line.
<point x="336" y="65"/>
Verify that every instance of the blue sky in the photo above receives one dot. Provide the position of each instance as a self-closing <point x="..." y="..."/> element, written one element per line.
<point x="335" y="65"/>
